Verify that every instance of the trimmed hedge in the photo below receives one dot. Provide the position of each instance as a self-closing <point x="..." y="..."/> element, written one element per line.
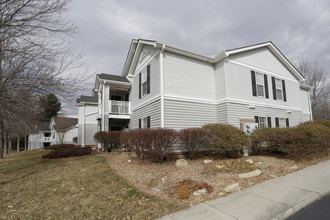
<point x="226" y="140"/>
<point x="66" y="150"/>
<point x="305" y="141"/>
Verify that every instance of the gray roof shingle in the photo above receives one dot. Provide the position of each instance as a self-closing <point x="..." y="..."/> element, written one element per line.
<point x="113" y="77"/>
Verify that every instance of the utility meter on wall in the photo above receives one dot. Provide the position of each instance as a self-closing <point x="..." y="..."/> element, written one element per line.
<point x="249" y="127"/>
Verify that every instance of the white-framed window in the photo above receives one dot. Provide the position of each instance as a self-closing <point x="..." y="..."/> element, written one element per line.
<point x="144" y="122"/>
<point x="262" y="122"/>
<point x="278" y="84"/>
<point x="144" y="83"/>
<point x="282" y="122"/>
<point x="260" y="84"/>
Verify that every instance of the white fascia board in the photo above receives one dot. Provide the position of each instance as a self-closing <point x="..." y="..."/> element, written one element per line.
<point x="117" y="83"/>
<point x="303" y="86"/>
<point x="285" y="62"/>
<point x="243" y="49"/>
<point x="130" y="55"/>
<point x="186" y="53"/>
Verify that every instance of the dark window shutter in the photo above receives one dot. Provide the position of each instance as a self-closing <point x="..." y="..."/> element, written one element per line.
<point x="277" y="122"/>
<point x="148" y="79"/>
<point x="269" y="121"/>
<point x="148" y="122"/>
<point x="284" y="90"/>
<point x="266" y="86"/>
<point x="254" y="86"/>
<point x="274" y="88"/>
<point x="287" y="122"/>
<point x="140" y="123"/>
<point x="139" y="85"/>
<point x="256" y="118"/>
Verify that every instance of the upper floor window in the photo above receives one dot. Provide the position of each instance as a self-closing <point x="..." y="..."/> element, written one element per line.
<point x="278" y="84"/>
<point x="144" y="82"/>
<point x="259" y="84"/>
<point x="279" y="90"/>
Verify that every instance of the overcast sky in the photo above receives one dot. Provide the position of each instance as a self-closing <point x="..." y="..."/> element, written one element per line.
<point x="300" y="29"/>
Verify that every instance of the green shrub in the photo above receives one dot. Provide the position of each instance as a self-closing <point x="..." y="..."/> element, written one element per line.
<point x="305" y="141"/>
<point x="194" y="140"/>
<point x="226" y="140"/>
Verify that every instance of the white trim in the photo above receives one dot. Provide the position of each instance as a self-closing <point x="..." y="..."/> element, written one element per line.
<point x="144" y="65"/>
<point x="307" y="113"/>
<point x="120" y="116"/>
<point x="261" y="70"/>
<point x="162" y="108"/>
<point x="92" y="113"/>
<point x="83" y="128"/>
<point x="230" y="100"/>
<point x="146" y="103"/>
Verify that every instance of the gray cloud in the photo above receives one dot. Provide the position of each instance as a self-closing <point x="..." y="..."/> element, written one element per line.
<point x="300" y="29"/>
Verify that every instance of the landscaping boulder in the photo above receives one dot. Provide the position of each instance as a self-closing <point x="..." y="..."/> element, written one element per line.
<point x="181" y="163"/>
<point x="249" y="161"/>
<point x="250" y="174"/>
<point x="232" y="188"/>
<point x="200" y="192"/>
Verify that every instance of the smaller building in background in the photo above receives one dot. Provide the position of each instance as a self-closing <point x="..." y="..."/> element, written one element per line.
<point x="63" y="129"/>
<point x="40" y="137"/>
<point x="87" y="119"/>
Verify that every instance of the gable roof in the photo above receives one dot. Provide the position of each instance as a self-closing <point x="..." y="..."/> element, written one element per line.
<point x="109" y="78"/>
<point x="64" y="123"/>
<point x="88" y="99"/>
<point x="137" y="45"/>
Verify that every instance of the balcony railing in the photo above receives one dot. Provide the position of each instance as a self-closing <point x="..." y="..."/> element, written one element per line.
<point x="46" y="139"/>
<point x="120" y="107"/>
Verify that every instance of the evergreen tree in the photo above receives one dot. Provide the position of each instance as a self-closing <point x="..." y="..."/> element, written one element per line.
<point x="50" y="106"/>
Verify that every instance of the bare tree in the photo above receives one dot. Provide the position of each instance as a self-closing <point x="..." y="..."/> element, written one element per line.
<point x="35" y="55"/>
<point x="63" y="125"/>
<point x="318" y="79"/>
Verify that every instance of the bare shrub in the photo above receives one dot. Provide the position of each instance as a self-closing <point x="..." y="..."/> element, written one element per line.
<point x="101" y="137"/>
<point x="194" y="139"/>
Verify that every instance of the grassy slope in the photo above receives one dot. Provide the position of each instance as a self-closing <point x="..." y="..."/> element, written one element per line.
<point x="71" y="188"/>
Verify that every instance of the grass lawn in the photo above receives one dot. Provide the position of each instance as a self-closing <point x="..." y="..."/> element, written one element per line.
<point x="71" y="188"/>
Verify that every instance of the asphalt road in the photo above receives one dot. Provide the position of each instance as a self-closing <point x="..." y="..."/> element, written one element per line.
<point x="319" y="210"/>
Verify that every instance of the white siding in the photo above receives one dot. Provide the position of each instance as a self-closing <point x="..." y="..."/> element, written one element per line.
<point x="240" y="87"/>
<point x="187" y="77"/>
<point x="152" y="109"/>
<point x="220" y="82"/>
<point x="154" y="84"/>
<point x="238" y="111"/>
<point x="264" y="59"/>
<point x="304" y="100"/>
<point x="222" y="113"/>
<point x="151" y="51"/>
<point x="186" y="114"/>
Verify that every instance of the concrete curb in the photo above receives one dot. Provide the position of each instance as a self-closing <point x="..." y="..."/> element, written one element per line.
<point x="276" y="199"/>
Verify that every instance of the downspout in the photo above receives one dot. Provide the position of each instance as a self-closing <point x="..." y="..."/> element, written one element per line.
<point x="103" y="105"/>
<point x="226" y="89"/>
<point x="310" y="106"/>
<point x="161" y="59"/>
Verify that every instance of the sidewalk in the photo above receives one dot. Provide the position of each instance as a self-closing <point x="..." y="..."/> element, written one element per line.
<point x="273" y="199"/>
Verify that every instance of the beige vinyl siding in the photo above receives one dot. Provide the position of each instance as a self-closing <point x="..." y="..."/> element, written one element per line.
<point x="187" y="114"/>
<point x="240" y="87"/>
<point x="152" y="109"/>
<point x="238" y="111"/>
<point x="263" y="59"/>
<point x="188" y="77"/>
<point x="154" y="84"/>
